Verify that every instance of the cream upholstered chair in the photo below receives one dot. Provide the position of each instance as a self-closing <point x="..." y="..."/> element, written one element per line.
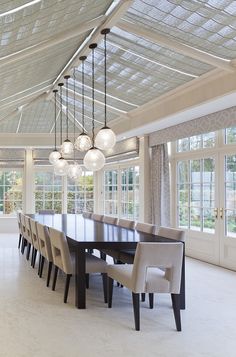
<point x="35" y="242"/>
<point x="127" y="256"/>
<point x="27" y="235"/>
<point x="46" y="211"/>
<point x="110" y="220"/>
<point x="172" y="233"/>
<point x="45" y="250"/>
<point x="86" y="214"/>
<point x="126" y="223"/>
<point x="97" y="217"/>
<point x="62" y="260"/>
<point x="23" y="233"/>
<point x="145" y="275"/>
<point x="20" y="228"/>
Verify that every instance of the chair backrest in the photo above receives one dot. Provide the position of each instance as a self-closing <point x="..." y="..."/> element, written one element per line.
<point x="23" y="227"/>
<point x="167" y="256"/>
<point x="110" y="220"/>
<point x="46" y="211"/>
<point x="145" y="227"/>
<point x="34" y="235"/>
<point x="60" y="251"/>
<point x="27" y="229"/>
<point x="19" y="222"/>
<point x="86" y="214"/>
<point x="173" y="233"/>
<point x="44" y="241"/>
<point x="97" y="217"/>
<point x="126" y="223"/>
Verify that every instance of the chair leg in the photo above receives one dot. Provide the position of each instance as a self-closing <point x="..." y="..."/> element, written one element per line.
<point x="68" y="276"/>
<point x="28" y="250"/>
<point x="104" y="281"/>
<point x="136" y="310"/>
<point x="19" y="242"/>
<point x="41" y="267"/>
<point x="87" y="281"/>
<point x="151" y="300"/>
<point x="143" y="297"/>
<point x="109" y="291"/>
<point x="176" y="308"/>
<point x="49" y="273"/>
<point x="54" y="278"/>
<point x="32" y="257"/>
<point x="23" y="245"/>
<point x="35" y="256"/>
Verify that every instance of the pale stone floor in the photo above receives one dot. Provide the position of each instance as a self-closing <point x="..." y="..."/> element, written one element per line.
<point x="34" y="321"/>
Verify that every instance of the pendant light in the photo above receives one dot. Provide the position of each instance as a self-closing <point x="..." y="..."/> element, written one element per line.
<point x="67" y="147"/>
<point x="75" y="170"/>
<point x="106" y="138"/>
<point x="94" y="159"/>
<point x="83" y="142"/>
<point x="61" y="165"/>
<point x="55" y="155"/>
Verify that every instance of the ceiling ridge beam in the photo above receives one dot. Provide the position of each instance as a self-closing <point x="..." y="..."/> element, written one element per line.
<point x="177" y="46"/>
<point x="61" y="37"/>
<point x="113" y="15"/>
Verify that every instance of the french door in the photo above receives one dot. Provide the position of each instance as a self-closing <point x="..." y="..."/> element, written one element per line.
<point x="206" y="205"/>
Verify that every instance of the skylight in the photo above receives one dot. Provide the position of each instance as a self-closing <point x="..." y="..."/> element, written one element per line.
<point x="12" y="11"/>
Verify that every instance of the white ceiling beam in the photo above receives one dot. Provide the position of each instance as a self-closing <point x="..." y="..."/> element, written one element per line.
<point x="113" y="15"/>
<point x="56" y="40"/>
<point x="179" y="47"/>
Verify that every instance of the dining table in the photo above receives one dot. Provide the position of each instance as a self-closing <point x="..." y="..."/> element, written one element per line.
<point x="86" y="234"/>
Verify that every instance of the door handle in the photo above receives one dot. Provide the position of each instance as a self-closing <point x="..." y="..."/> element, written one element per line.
<point x="216" y="213"/>
<point x="221" y="213"/>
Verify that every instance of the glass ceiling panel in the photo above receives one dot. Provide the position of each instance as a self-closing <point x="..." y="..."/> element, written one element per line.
<point x="208" y="25"/>
<point x="44" y="20"/>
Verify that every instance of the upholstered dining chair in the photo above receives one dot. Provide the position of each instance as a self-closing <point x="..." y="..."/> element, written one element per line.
<point x="35" y="242"/>
<point x="86" y="214"/>
<point x="18" y="215"/>
<point x="27" y="235"/>
<point x="146" y="275"/>
<point x="97" y="217"/>
<point x="23" y="233"/>
<point x="45" y="250"/>
<point x="63" y="260"/>
<point x="110" y="220"/>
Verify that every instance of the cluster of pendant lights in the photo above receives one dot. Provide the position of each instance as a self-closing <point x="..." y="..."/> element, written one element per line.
<point x="105" y="139"/>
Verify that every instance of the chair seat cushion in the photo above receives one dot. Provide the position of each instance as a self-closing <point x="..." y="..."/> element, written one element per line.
<point x="93" y="264"/>
<point x="155" y="280"/>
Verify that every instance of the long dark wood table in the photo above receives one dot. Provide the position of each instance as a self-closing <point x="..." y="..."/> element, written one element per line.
<point x="83" y="234"/>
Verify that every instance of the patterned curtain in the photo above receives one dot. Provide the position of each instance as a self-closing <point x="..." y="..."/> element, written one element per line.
<point x="160" y="181"/>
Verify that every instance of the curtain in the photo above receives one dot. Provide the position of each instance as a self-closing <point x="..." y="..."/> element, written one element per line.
<point x="160" y="183"/>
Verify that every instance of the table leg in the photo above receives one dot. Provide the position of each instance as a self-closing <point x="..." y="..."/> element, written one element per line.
<point x="182" y="286"/>
<point x="80" y="283"/>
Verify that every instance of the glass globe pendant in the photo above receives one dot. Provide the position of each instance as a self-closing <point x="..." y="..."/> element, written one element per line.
<point x="67" y="147"/>
<point x="55" y="155"/>
<point x="61" y="167"/>
<point x="94" y="159"/>
<point x="83" y="142"/>
<point x="74" y="171"/>
<point x="105" y="138"/>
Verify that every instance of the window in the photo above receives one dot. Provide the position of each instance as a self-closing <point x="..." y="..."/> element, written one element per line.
<point x="230" y="195"/>
<point x="80" y="196"/>
<point x="195" y="192"/>
<point x="48" y="191"/>
<point x="10" y="191"/>
<point x="111" y="192"/>
<point x="230" y="135"/>
<point x="196" y="142"/>
<point x="121" y="192"/>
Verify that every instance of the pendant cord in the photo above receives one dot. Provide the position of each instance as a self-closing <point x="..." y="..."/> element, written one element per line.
<point x="105" y="79"/>
<point x="83" y="96"/>
<point x="93" y="135"/>
<point x="61" y="84"/>
<point x="67" y="109"/>
<point x="55" y="120"/>
<point x="74" y="110"/>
